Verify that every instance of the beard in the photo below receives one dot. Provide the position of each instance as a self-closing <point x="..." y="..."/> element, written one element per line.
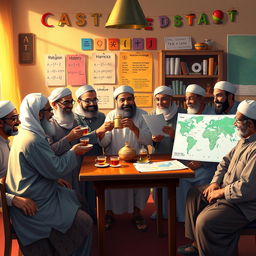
<point x="11" y="131"/>
<point x="90" y="111"/>
<point x="164" y="111"/>
<point x="48" y="127"/>
<point x="242" y="132"/>
<point x="127" y="111"/>
<point x="193" y="108"/>
<point x="220" y="107"/>
<point x="64" y="117"/>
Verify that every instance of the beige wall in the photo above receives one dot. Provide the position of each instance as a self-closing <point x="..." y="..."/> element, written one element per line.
<point x="67" y="40"/>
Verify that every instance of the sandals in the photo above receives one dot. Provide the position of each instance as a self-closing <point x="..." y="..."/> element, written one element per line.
<point x="140" y="223"/>
<point x="188" y="249"/>
<point x="109" y="220"/>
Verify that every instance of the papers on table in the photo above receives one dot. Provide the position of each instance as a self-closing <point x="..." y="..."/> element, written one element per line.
<point x="155" y="123"/>
<point x="160" y="166"/>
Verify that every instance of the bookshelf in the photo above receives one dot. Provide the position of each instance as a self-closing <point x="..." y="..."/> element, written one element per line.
<point x="175" y="70"/>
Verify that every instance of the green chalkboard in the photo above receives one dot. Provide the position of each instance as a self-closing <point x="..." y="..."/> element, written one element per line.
<point x="242" y="59"/>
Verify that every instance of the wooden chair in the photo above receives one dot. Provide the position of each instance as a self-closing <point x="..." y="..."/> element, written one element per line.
<point x="249" y="230"/>
<point x="9" y="233"/>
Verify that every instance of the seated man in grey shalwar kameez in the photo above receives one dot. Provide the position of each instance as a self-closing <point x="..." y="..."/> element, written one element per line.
<point x="66" y="130"/>
<point x="136" y="133"/>
<point x="59" y="227"/>
<point x="216" y="213"/>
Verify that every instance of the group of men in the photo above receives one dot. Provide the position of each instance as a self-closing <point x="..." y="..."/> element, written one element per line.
<point x="44" y="163"/>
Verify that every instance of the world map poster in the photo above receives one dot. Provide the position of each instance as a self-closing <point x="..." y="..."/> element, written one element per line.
<point x="204" y="137"/>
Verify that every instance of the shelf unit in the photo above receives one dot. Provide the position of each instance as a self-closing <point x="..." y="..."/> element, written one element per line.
<point x="190" y="57"/>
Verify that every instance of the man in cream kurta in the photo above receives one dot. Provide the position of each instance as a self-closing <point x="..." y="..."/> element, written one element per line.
<point x="215" y="213"/>
<point x="136" y="133"/>
<point x="59" y="227"/>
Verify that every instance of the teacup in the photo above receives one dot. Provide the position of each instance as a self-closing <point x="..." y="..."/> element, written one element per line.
<point x="101" y="160"/>
<point x="114" y="160"/>
<point x="85" y="130"/>
<point x="85" y="141"/>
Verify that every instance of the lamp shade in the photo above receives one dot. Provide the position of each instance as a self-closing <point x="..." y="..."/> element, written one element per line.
<point x="126" y="14"/>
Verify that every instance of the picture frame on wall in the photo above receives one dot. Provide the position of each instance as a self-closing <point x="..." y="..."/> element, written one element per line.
<point x="26" y="42"/>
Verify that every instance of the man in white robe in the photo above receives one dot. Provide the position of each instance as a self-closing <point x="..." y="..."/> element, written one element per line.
<point x="136" y="133"/>
<point x="163" y="144"/>
<point x="9" y="122"/>
<point x="59" y="227"/>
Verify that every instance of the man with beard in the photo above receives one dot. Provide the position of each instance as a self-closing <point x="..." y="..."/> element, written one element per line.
<point x="87" y="114"/>
<point x="203" y="170"/>
<point x="215" y="213"/>
<point x="164" y="144"/>
<point x="224" y="98"/>
<point x="9" y="122"/>
<point x="136" y="133"/>
<point x="66" y="132"/>
<point x="59" y="227"/>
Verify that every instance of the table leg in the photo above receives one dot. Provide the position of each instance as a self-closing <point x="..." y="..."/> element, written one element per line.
<point x="101" y="218"/>
<point x="159" y="218"/>
<point x="172" y="219"/>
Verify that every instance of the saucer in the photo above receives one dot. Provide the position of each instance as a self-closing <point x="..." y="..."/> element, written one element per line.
<point x="88" y="146"/>
<point x="115" y="166"/>
<point x="101" y="165"/>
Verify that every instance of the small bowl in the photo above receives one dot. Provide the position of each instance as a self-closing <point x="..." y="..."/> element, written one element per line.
<point x="201" y="46"/>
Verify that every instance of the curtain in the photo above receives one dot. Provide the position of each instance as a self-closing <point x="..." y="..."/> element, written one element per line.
<point x="9" y="83"/>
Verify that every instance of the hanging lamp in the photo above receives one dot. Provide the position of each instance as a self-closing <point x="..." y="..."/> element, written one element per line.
<point x="126" y="14"/>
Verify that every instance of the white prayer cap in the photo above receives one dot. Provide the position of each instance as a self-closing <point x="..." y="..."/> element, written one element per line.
<point x="123" y="89"/>
<point x="59" y="93"/>
<point x="6" y="107"/>
<point x="163" y="89"/>
<point x="225" y="86"/>
<point x="83" y="89"/>
<point x="248" y="108"/>
<point x="196" y="89"/>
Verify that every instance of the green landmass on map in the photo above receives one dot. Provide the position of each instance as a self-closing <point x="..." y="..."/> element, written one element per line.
<point x="189" y="124"/>
<point x="215" y="128"/>
<point x="191" y="143"/>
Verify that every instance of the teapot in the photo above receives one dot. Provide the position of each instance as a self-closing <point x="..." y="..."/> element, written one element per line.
<point x="127" y="153"/>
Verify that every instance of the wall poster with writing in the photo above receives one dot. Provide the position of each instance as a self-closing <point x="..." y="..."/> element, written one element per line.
<point x="104" y="68"/>
<point x="55" y="70"/>
<point x="135" y="69"/>
<point x="76" y="69"/>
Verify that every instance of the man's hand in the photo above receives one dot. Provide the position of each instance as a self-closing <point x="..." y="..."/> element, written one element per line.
<point x="127" y="122"/>
<point x="194" y="165"/>
<point x="75" y="133"/>
<point x="215" y="194"/>
<point x="80" y="149"/>
<point x="157" y="138"/>
<point x="169" y="130"/>
<point x="64" y="183"/>
<point x="210" y="188"/>
<point x="27" y="205"/>
<point x="107" y="126"/>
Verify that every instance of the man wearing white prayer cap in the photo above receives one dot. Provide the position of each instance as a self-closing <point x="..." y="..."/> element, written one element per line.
<point x="137" y="134"/>
<point x="163" y="144"/>
<point x="63" y="131"/>
<point x="87" y="114"/>
<point x="33" y="171"/>
<point x="224" y="98"/>
<point x="204" y="171"/>
<point x="9" y="122"/>
<point x="195" y="100"/>
<point x="215" y="213"/>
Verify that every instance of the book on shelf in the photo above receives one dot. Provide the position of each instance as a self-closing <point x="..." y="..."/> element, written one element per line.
<point x="184" y="68"/>
<point x="211" y="66"/>
<point x="167" y="66"/>
<point x="177" y="66"/>
<point x="205" y="67"/>
<point x="195" y="73"/>
<point x="172" y="60"/>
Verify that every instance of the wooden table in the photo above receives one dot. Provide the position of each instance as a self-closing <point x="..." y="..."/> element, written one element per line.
<point x="127" y="176"/>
